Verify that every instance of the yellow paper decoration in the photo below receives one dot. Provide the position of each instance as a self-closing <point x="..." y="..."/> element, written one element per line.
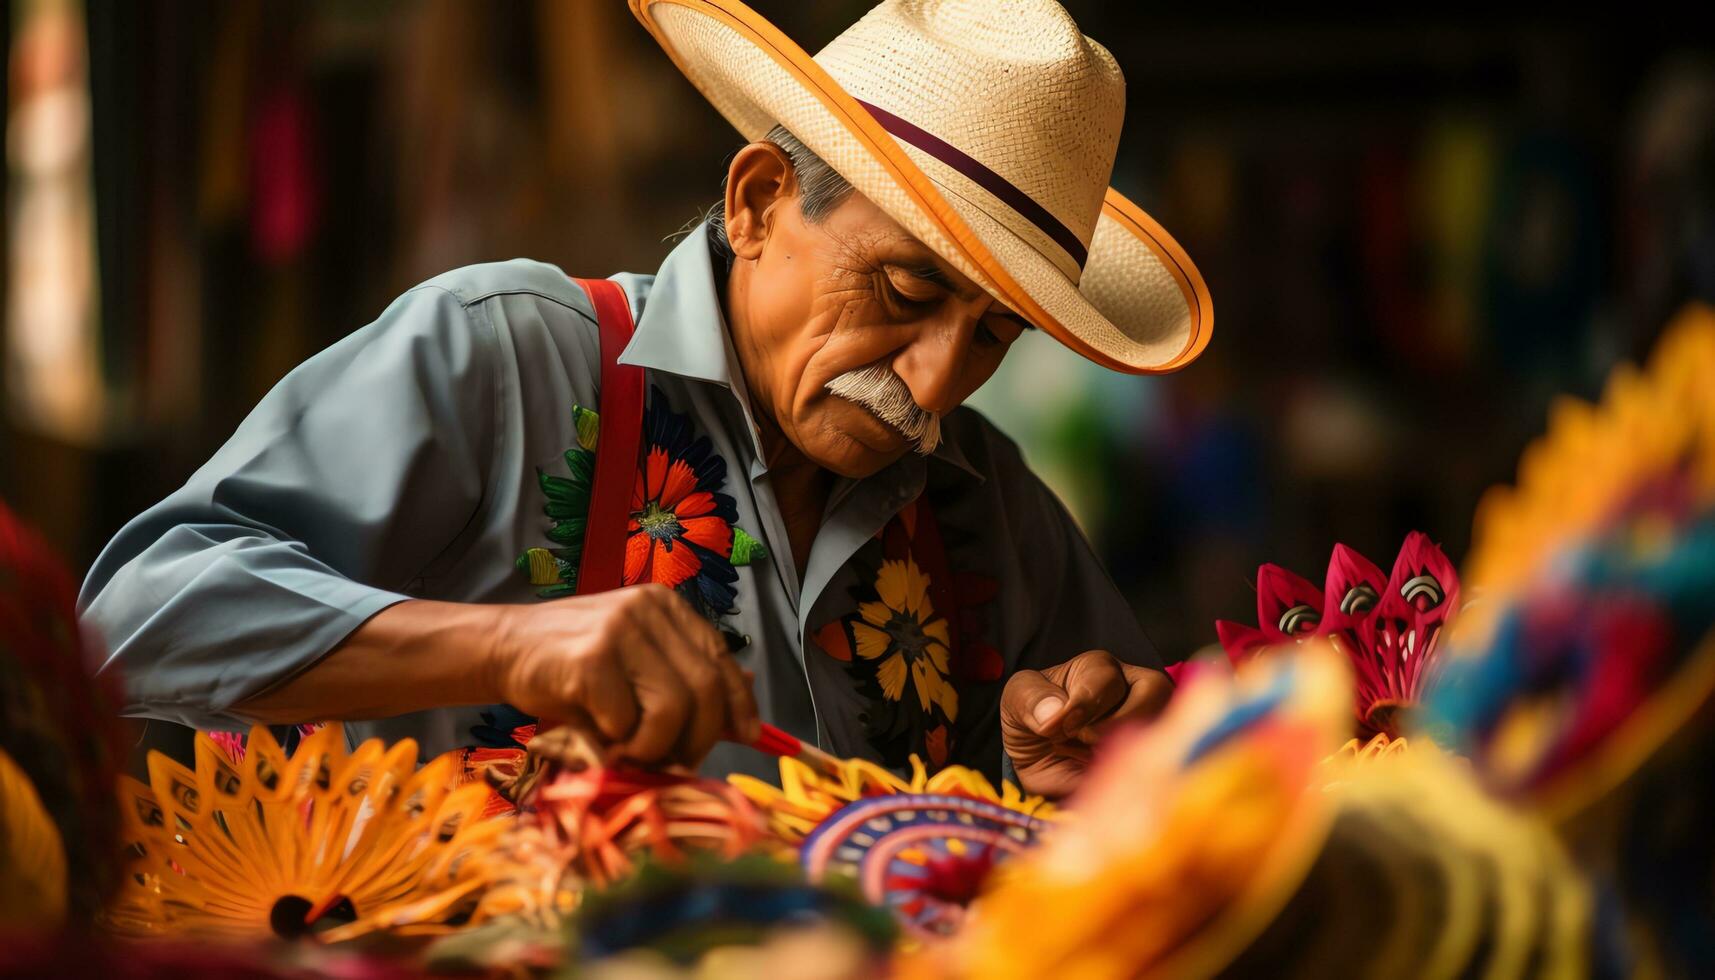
<point x="284" y="846"/>
<point x="806" y="797"/>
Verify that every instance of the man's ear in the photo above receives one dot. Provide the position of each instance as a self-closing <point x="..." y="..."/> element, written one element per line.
<point x="759" y="178"/>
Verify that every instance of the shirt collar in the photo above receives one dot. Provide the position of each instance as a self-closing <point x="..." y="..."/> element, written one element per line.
<point x="682" y="331"/>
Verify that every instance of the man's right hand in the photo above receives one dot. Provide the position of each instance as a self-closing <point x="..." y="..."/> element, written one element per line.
<point x="637" y="669"/>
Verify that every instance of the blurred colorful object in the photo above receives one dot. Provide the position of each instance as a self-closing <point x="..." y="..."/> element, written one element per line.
<point x="1185" y="839"/>
<point x="53" y="355"/>
<point x="1379" y="746"/>
<point x="1598" y="577"/>
<point x="57" y="723"/>
<point x="921" y="847"/>
<point x="32" y="856"/>
<point x="1389" y="627"/>
<point x="1582" y="683"/>
<point x="1231" y="839"/>
<point x="288" y="846"/>
<point x="76" y="954"/>
<point x="1424" y="875"/>
<point x="286" y="188"/>
<point x="748" y="918"/>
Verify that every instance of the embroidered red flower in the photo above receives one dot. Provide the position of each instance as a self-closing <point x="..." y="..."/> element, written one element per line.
<point x="680" y="532"/>
<point x="675" y="520"/>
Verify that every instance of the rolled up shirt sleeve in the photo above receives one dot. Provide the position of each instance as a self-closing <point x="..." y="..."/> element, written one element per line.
<point x="345" y="482"/>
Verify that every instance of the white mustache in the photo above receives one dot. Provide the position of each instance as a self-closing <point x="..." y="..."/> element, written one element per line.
<point x="888" y="398"/>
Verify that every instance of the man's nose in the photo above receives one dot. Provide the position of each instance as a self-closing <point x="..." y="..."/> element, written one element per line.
<point x="932" y="366"/>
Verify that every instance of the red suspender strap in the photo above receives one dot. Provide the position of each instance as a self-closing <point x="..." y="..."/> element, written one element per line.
<point x="602" y="564"/>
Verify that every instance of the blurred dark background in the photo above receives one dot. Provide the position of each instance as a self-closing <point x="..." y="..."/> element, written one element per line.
<point x="1417" y="227"/>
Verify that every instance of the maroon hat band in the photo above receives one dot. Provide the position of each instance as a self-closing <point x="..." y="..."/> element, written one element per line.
<point x="985" y="178"/>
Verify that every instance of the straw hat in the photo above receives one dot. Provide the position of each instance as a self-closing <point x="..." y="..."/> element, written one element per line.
<point x="987" y="128"/>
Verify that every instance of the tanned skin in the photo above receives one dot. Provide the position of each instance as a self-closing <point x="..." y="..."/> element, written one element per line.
<point x="637" y="670"/>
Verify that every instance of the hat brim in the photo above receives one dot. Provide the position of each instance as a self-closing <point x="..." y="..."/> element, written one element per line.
<point x="1140" y="307"/>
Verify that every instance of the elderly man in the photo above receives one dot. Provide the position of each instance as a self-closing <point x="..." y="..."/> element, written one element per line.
<point x="803" y="524"/>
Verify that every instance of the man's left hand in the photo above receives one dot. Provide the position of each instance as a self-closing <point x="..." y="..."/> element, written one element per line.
<point x="1050" y="718"/>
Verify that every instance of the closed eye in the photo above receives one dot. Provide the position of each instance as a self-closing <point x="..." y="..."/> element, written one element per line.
<point x="918" y="284"/>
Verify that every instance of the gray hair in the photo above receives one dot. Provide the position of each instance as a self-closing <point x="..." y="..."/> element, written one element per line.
<point x="820" y="190"/>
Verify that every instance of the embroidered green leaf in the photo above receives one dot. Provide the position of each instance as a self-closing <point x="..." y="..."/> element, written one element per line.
<point x="746" y="549"/>
<point x="568" y="504"/>
<point x="560" y="490"/>
<point x="588" y="424"/>
<point x="567" y="500"/>
<point x="582" y="464"/>
<point x="568" y="532"/>
<point x="565" y="511"/>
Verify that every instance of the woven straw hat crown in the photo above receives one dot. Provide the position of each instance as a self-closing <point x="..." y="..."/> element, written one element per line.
<point x="987" y="129"/>
<point x="1014" y="85"/>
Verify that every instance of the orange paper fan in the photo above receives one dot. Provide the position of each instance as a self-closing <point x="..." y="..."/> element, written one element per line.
<point x="290" y="845"/>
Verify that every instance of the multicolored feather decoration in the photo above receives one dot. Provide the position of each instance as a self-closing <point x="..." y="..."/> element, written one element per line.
<point x="1390" y="627"/>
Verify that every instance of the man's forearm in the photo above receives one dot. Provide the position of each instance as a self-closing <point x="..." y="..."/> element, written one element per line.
<point x="408" y="657"/>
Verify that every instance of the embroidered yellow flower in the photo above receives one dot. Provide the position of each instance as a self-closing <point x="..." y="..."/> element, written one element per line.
<point x="901" y="634"/>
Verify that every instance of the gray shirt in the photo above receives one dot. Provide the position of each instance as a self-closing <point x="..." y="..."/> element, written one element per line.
<point x="409" y="461"/>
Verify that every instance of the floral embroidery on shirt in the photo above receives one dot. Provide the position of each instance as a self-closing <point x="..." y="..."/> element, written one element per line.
<point x="681" y="532"/>
<point x="914" y="641"/>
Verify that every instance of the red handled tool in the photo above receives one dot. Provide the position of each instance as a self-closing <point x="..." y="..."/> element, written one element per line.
<point x="776" y="742"/>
